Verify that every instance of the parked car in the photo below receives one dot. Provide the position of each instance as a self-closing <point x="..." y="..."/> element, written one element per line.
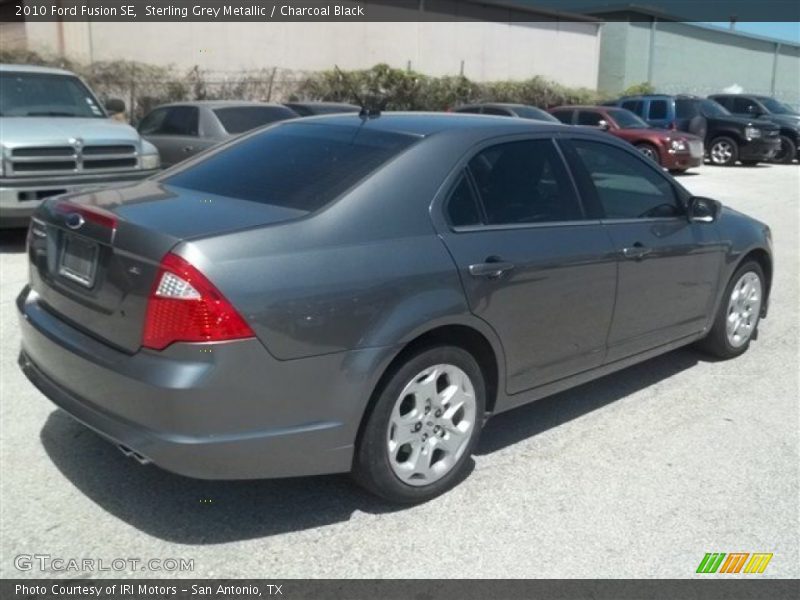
<point x="500" y="109"/>
<point x="310" y="109"/>
<point x="56" y="137"/>
<point x="764" y="107"/>
<point x="361" y="294"/>
<point x="727" y="138"/>
<point x="675" y="151"/>
<point x="183" y="129"/>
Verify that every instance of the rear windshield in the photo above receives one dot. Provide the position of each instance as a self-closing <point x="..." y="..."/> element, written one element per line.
<point x="297" y="165"/>
<point x="238" y="119"/>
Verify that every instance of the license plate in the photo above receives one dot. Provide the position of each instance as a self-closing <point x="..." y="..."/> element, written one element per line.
<point x="78" y="261"/>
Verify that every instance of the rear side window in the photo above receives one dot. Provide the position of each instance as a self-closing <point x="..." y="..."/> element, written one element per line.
<point x="686" y="109"/>
<point x="635" y="106"/>
<point x="565" y="116"/>
<point x="462" y="207"/>
<point x="500" y="112"/>
<point x="524" y="182"/>
<point x="658" y="109"/>
<point x="239" y="119"/>
<point x="625" y="185"/>
<point x="297" y="165"/>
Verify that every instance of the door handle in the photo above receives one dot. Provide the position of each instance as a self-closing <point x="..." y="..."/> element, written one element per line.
<point x="491" y="269"/>
<point x="636" y="252"/>
<point x="188" y="148"/>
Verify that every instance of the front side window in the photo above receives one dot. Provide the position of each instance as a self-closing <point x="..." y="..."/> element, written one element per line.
<point x="524" y="182"/>
<point x="499" y="112"/>
<point x="743" y="105"/>
<point x="686" y="108"/>
<point x="589" y="117"/>
<point x="624" y="184"/>
<point x="565" y="116"/>
<point x="658" y="109"/>
<point x="179" y="120"/>
<point x="635" y="106"/>
<point x="45" y="95"/>
<point x="625" y="119"/>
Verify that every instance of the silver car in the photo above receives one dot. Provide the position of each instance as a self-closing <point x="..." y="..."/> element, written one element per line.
<point x="183" y="129"/>
<point x="56" y="137"/>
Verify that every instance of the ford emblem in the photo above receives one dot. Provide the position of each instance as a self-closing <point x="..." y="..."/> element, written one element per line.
<point x="74" y="220"/>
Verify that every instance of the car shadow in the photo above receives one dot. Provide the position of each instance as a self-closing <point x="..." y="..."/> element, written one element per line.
<point x="12" y="241"/>
<point x="192" y="511"/>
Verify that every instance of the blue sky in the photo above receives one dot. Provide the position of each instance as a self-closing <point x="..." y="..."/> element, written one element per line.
<point x="782" y="31"/>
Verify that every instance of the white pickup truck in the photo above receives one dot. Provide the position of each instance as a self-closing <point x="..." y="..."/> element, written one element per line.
<point x="55" y="137"/>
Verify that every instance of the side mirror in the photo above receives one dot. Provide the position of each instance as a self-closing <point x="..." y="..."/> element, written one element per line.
<point x="603" y="125"/>
<point x="702" y="210"/>
<point x="115" y="105"/>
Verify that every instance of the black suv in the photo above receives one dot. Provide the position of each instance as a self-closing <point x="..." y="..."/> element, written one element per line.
<point x="764" y="107"/>
<point x="728" y="138"/>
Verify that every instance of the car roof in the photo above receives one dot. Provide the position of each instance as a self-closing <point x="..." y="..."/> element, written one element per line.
<point x="13" y="68"/>
<point x="321" y="103"/>
<point x="423" y="124"/>
<point x="220" y="104"/>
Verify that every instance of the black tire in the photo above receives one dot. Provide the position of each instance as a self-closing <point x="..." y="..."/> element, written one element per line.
<point x="720" y="159"/>
<point x="787" y="153"/>
<point x="750" y="163"/>
<point x="677" y="171"/>
<point x="371" y="467"/>
<point x="716" y="342"/>
<point x="649" y="151"/>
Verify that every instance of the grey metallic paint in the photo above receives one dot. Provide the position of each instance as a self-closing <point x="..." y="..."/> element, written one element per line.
<point x="334" y="297"/>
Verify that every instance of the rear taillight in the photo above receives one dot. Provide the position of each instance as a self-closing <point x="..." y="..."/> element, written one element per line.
<point x="184" y="306"/>
<point x="90" y="214"/>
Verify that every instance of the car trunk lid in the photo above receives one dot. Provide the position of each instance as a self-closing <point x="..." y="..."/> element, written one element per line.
<point x="94" y="257"/>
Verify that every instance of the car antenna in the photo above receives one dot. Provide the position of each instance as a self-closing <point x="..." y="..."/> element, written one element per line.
<point x="368" y="108"/>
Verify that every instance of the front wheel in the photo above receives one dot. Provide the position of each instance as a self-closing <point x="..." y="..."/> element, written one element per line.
<point x="736" y="321"/>
<point x="417" y="440"/>
<point x="723" y="151"/>
<point x="787" y="152"/>
<point x="649" y="151"/>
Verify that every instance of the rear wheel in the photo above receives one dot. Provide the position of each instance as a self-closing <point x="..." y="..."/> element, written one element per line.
<point x="649" y="151"/>
<point x="787" y="152"/>
<point x="723" y="151"/>
<point x="426" y="420"/>
<point x="736" y="322"/>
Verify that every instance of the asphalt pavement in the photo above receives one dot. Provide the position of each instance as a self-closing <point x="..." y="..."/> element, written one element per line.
<point x="638" y="474"/>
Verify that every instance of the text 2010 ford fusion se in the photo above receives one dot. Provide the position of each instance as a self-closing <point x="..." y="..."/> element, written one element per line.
<point x="358" y="294"/>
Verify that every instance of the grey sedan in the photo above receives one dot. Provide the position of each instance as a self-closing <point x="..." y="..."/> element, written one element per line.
<point x="184" y="129"/>
<point x="348" y="294"/>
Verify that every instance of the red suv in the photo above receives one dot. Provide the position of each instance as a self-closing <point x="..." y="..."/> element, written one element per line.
<point x="676" y="151"/>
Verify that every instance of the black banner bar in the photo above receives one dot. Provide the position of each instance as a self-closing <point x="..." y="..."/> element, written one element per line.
<point x="143" y="11"/>
<point x="713" y="588"/>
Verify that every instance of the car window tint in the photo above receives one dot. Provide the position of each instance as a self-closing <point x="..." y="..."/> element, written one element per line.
<point x="469" y="109"/>
<point x="565" y="116"/>
<point x="462" y="207"/>
<point x="238" y="119"/>
<point x="625" y="185"/>
<point x="295" y="165"/>
<point x="686" y="109"/>
<point x="635" y="106"/>
<point x="589" y="117"/>
<point x="153" y="121"/>
<point x="658" y="109"/>
<point x="740" y="105"/>
<point x="179" y="120"/>
<point x="500" y="112"/>
<point x="524" y="182"/>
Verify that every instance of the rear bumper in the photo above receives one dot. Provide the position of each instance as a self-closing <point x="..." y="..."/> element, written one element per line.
<point x="210" y="411"/>
<point x="20" y="196"/>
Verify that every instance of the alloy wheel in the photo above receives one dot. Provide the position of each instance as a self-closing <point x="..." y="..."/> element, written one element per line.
<point x="721" y="152"/>
<point x="744" y="307"/>
<point x="648" y="152"/>
<point x="431" y="424"/>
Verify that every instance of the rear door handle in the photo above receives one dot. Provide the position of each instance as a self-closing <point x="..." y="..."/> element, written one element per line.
<point x="188" y="148"/>
<point x="636" y="252"/>
<point x="490" y="269"/>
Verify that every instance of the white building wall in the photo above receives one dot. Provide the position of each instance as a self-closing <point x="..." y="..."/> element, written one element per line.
<point x="564" y="52"/>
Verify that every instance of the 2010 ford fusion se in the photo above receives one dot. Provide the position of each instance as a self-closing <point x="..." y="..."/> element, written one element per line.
<point x="359" y="293"/>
